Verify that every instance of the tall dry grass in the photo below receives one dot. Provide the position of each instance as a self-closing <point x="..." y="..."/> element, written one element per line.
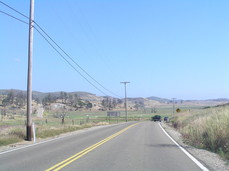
<point x="17" y="134"/>
<point x="206" y="128"/>
<point x="13" y="135"/>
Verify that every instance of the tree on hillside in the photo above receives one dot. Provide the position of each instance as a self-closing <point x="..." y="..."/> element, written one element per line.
<point x="5" y="102"/>
<point x="37" y="100"/>
<point x="71" y="99"/>
<point x="88" y="105"/>
<point x="81" y="104"/>
<point x="139" y="105"/>
<point x="105" y="103"/>
<point x="9" y="99"/>
<point x="119" y="101"/>
<point x="110" y="106"/>
<point x="75" y="101"/>
<point x="114" y="103"/>
<point x="108" y="103"/>
<point x="49" y="99"/>
<point x="62" y="96"/>
<point x="65" y="97"/>
<point x="20" y="99"/>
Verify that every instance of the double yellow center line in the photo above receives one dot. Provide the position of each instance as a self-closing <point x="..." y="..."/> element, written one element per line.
<point x="87" y="150"/>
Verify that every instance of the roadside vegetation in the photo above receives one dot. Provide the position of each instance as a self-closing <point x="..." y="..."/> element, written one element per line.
<point x="206" y="128"/>
<point x="62" y="112"/>
<point x="12" y="136"/>
<point x="13" y="128"/>
<point x="17" y="135"/>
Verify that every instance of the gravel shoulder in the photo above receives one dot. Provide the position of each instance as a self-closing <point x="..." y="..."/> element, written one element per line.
<point x="211" y="160"/>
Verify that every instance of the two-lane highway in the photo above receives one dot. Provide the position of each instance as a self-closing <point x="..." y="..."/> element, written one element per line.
<point x="129" y="146"/>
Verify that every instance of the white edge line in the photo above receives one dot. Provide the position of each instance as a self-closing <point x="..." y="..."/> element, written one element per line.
<point x="186" y="152"/>
<point x="46" y="141"/>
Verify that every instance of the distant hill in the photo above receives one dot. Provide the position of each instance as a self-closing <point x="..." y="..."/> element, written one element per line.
<point x="162" y="100"/>
<point x="95" y="98"/>
<point x="219" y="100"/>
<point x="42" y="95"/>
<point x="6" y="91"/>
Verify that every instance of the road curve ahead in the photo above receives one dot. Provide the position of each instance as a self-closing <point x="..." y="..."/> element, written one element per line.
<point x="123" y="147"/>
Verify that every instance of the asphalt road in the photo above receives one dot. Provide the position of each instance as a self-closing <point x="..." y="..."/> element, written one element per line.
<point x="122" y="147"/>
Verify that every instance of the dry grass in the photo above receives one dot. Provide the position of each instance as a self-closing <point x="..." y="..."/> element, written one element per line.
<point x="207" y="128"/>
<point x="50" y="131"/>
<point x="13" y="136"/>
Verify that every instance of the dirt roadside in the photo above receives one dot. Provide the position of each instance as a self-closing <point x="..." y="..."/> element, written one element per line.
<point x="211" y="160"/>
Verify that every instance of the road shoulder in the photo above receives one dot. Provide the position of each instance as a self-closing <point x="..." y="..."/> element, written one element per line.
<point x="211" y="160"/>
<point x="25" y="144"/>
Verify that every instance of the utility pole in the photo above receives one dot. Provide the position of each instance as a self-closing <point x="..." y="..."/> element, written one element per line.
<point x="173" y="104"/>
<point x="29" y="77"/>
<point x="125" y="98"/>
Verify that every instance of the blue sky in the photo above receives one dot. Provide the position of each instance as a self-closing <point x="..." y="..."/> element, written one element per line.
<point x="163" y="48"/>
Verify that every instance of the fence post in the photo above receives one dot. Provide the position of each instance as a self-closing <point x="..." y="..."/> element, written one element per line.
<point x="62" y="120"/>
<point x="34" y="133"/>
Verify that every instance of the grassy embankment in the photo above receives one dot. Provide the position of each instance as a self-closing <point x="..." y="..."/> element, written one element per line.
<point x="205" y="128"/>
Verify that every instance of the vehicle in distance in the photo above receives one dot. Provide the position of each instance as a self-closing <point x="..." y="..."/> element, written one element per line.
<point x="156" y="118"/>
<point x="166" y="119"/>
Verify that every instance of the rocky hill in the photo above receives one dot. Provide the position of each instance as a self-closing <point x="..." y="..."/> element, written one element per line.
<point x="89" y="101"/>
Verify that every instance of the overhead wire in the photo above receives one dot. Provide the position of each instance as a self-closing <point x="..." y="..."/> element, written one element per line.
<point x="75" y="61"/>
<point x="88" y="26"/>
<point x="14" y="9"/>
<point x="69" y="62"/>
<point x="13" y="17"/>
<point x="59" y="52"/>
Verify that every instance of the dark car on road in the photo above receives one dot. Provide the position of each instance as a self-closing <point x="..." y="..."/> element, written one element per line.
<point x="166" y="119"/>
<point x="156" y="118"/>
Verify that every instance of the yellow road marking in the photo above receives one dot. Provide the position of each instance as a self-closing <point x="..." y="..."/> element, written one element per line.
<point x="87" y="150"/>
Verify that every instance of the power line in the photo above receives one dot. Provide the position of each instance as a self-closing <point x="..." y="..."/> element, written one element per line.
<point x="95" y="48"/>
<point x="59" y="52"/>
<point x="69" y="62"/>
<point x="14" y="9"/>
<point x="13" y="17"/>
<point x="75" y="61"/>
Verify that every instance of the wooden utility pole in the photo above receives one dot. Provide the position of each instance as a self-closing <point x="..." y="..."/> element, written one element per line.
<point x="173" y="104"/>
<point x="125" y="98"/>
<point x="29" y="78"/>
